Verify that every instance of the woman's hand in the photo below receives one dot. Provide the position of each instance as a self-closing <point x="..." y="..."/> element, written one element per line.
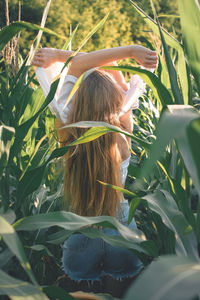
<point x="44" y="57"/>
<point x="145" y="57"/>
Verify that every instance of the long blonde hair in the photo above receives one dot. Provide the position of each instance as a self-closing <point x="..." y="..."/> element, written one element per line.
<point x="98" y="99"/>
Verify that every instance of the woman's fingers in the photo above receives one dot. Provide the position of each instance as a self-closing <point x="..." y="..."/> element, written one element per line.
<point x="44" y="57"/>
<point x="37" y="61"/>
<point x="145" y="57"/>
<point x="152" y="58"/>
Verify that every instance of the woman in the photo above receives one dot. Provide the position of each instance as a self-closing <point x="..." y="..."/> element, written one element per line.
<point x="102" y="96"/>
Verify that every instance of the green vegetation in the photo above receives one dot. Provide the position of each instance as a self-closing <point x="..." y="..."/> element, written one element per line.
<point x="123" y="26"/>
<point x="164" y="176"/>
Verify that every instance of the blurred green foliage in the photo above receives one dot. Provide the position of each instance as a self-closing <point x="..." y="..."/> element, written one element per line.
<point x="163" y="179"/>
<point x="123" y="26"/>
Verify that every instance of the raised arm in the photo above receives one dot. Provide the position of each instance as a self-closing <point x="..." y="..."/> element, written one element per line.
<point x="45" y="57"/>
<point x="142" y="55"/>
<point x="85" y="61"/>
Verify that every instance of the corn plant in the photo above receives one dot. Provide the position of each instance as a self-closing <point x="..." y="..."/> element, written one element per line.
<point x="164" y="176"/>
<point x="175" y="204"/>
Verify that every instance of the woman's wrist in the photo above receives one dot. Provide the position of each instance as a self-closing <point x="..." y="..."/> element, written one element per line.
<point x="62" y="55"/>
<point x="133" y="51"/>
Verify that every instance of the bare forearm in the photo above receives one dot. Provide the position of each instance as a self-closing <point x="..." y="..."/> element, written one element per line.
<point x="48" y="56"/>
<point x="142" y="55"/>
<point x="98" y="58"/>
<point x="64" y="55"/>
<point x="85" y="61"/>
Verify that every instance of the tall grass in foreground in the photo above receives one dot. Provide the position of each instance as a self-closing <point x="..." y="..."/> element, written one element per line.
<point x="164" y="177"/>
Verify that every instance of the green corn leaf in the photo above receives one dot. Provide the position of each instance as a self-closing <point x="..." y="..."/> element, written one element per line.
<point x="190" y="23"/>
<point x="174" y="277"/>
<point x="23" y="129"/>
<point x="6" y="140"/>
<point x="179" y="193"/>
<point x="33" y="178"/>
<point x="8" y="32"/>
<point x="117" y="188"/>
<point x="18" y="289"/>
<point x="188" y="144"/>
<point x="33" y="155"/>
<point x="159" y="90"/>
<point x="198" y="221"/>
<point x="153" y="25"/>
<point x="37" y="40"/>
<point x="5" y="256"/>
<point x="21" y="74"/>
<point x="134" y="202"/>
<point x="172" y="125"/>
<point x="74" y="89"/>
<point x="193" y="134"/>
<point x="172" y="42"/>
<point x="40" y="247"/>
<point x="33" y="105"/>
<point x="171" y="70"/>
<point x="133" y="206"/>
<point x="88" y="36"/>
<point x="56" y="292"/>
<point x="69" y="40"/>
<point x="181" y="198"/>
<point x="102" y="128"/>
<point x="163" y="203"/>
<point x="131" y="239"/>
<point x="147" y="246"/>
<point x="174" y="16"/>
<point x="13" y="242"/>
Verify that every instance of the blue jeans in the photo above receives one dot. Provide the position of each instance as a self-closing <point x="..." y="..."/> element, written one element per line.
<point x="90" y="259"/>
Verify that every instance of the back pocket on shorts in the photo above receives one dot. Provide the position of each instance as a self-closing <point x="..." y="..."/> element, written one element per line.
<point x="76" y="243"/>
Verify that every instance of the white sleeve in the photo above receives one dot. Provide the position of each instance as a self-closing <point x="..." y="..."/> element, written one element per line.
<point x="66" y="83"/>
<point x="136" y="89"/>
<point x="57" y="107"/>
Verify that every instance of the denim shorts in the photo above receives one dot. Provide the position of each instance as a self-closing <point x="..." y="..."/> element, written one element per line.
<point x="90" y="259"/>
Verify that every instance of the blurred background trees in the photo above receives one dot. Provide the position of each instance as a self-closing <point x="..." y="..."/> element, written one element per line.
<point x="124" y="26"/>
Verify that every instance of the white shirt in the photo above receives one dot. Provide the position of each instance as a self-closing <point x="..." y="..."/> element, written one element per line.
<point x="58" y="105"/>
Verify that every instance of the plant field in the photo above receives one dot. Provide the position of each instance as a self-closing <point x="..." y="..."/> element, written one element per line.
<point x="163" y="184"/>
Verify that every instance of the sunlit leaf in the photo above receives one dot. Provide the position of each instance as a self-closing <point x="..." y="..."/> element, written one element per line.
<point x="6" y="140"/>
<point x="169" y="277"/>
<point x="172" y="125"/>
<point x="163" y="203"/>
<point x="23" y="129"/>
<point x="13" y="242"/>
<point x="69" y="40"/>
<point x="190" y="23"/>
<point x="159" y="90"/>
<point x="8" y="32"/>
<point x="33" y="178"/>
<point x="171" y="70"/>
<point x="35" y="45"/>
<point x="131" y="239"/>
<point x="172" y="42"/>
<point x="18" y="289"/>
